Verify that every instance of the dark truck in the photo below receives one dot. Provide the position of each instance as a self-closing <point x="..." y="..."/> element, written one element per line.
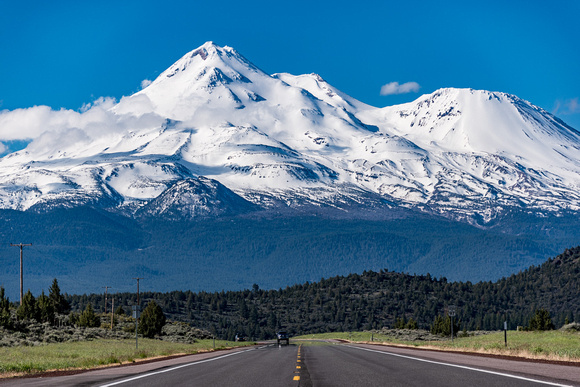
<point x="282" y="336"/>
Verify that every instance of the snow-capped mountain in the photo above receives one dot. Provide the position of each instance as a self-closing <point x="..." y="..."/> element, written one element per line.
<point x="214" y="135"/>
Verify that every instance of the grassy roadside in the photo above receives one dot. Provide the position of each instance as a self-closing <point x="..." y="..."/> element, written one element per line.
<point x="547" y="345"/>
<point x="95" y="353"/>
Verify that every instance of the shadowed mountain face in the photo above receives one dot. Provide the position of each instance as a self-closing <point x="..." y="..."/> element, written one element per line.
<point x="322" y="183"/>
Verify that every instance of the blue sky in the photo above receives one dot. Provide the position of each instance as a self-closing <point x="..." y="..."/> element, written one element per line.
<point x="65" y="54"/>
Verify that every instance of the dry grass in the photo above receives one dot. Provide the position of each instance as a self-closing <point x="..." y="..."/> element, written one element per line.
<point x="92" y="354"/>
<point x="549" y="345"/>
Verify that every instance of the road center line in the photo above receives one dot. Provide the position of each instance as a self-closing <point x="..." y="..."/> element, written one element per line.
<point x="463" y="367"/>
<point x="178" y="367"/>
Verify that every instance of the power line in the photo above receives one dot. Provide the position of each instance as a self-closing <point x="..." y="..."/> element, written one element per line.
<point x="21" y="245"/>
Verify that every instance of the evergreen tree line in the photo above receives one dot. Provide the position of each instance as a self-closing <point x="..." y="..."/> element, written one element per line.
<point x="373" y="300"/>
<point x="52" y="308"/>
<point x="43" y="309"/>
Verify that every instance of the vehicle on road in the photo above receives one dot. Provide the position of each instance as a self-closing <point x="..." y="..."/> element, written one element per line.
<point x="282" y="336"/>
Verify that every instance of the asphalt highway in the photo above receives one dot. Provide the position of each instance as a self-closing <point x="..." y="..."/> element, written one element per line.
<point x="322" y="364"/>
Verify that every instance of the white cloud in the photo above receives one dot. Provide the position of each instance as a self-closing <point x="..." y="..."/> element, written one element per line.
<point x="573" y="105"/>
<point x="58" y="139"/>
<point x="396" y="88"/>
<point x="46" y="128"/>
<point x="101" y="102"/>
<point x="145" y="83"/>
<point x="136" y="105"/>
<point x="30" y="123"/>
<point x="567" y="107"/>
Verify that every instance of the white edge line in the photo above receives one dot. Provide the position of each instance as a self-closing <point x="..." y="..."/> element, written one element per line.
<point x="464" y="367"/>
<point x="177" y="367"/>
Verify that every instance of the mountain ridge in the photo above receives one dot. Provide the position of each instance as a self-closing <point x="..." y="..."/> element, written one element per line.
<point x="292" y="141"/>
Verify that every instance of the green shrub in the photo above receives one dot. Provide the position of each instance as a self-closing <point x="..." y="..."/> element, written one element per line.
<point x="152" y="320"/>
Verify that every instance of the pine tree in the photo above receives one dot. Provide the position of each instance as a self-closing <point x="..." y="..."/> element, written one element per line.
<point x="412" y="324"/>
<point x="400" y="323"/>
<point x="541" y="321"/>
<point x="58" y="301"/>
<point x="5" y="320"/>
<point x="152" y="320"/>
<point x="442" y="326"/>
<point x="28" y="309"/>
<point x="244" y="312"/>
<point x="88" y="318"/>
<point x="45" y="308"/>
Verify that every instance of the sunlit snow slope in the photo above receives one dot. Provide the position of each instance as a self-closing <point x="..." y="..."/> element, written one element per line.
<point x="214" y="134"/>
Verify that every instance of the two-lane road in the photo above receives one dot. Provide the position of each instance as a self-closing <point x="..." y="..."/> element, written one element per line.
<point x="263" y="366"/>
<point x="369" y="365"/>
<point x="323" y="364"/>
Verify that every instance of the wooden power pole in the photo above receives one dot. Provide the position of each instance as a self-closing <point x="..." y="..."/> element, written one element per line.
<point x="138" y="278"/>
<point x="106" y="288"/>
<point x="21" y="245"/>
<point x="137" y="312"/>
<point x="112" y="311"/>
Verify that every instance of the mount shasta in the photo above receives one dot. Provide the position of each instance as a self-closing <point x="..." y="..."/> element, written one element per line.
<point x="214" y="139"/>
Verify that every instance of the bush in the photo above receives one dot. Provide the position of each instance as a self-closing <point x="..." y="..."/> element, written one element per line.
<point x="152" y="320"/>
<point x="571" y="327"/>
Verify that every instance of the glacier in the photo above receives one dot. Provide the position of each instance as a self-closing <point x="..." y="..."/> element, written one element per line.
<point x="214" y="133"/>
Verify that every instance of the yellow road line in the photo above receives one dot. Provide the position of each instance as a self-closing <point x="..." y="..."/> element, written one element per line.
<point x="297" y="377"/>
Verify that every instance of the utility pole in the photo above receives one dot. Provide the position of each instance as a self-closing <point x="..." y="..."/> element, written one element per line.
<point x="137" y="313"/>
<point x="138" y="278"/>
<point x="106" y="288"/>
<point x="21" y="245"/>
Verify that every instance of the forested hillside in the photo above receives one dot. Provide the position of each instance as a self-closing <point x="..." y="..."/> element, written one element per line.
<point x="84" y="247"/>
<point x="373" y="300"/>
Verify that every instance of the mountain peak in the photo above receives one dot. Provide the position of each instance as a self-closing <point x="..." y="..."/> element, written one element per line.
<point x="208" y="52"/>
<point x="288" y="140"/>
<point x="202" y="75"/>
<point x="488" y="121"/>
<point x="210" y="48"/>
